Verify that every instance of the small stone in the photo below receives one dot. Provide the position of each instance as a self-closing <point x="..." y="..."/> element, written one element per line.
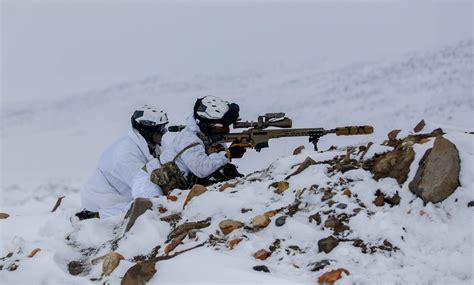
<point x="332" y="276"/>
<point x="316" y="217"/>
<point x="347" y="193"/>
<point x="245" y="210"/>
<point x="393" y="134"/>
<point x="262" y="268"/>
<point x="331" y="222"/>
<point x="227" y="226"/>
<point x="227" y="185"/>
<point x="280" y="186"/>
<point x="357" y="210"/>
<point x="270" y="214"/>
<point x="75" y="267"/>
<point x="298" y="150"/>
<point x="260" y="221"/>
<point x="233" y="243"/>
<point x="327" y="195"/>
<point x="319" y="265"/>
<point x="162" y="209"/>
<point x="379" y="201"/>
<point x="172" y="198"/>
<point x="331" y="202"/>
<point x="4" y="216"/>
<point x="280" y="221"/>
<point x="419" y="126"/>
<point x="327" y="244"/>
<point x="195" y="191"/>
<point x="341" y="206"/>
<point x="470" y="204"/>
<point x="262" y="254"/>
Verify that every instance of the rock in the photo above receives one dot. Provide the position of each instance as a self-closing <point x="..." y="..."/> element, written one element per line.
<point x="341" y="206"/>
<point x="379" y="201"/>
<point x="393" y="134"/>
<point x="233" y="243"/>
<point x="270" y="214"/>
<point x="280" y="186"/>
<point x="111" y="261"/>
<point x="262" y="254"/>
<point x="305" y="164"/>
<point x="34" y="252"/>
<point x="316" y="217"/>
<point x="262" y="268"/>
<point x="331" y="202"/>
<point x="280" y="221"/>
<point x="394" y="164"/>
<point x="171" y="197"/>
<point x="335" y="224"/>
<point x="419" y="126"/>
<point x="332" y="276"/>
<point x="245" y="210"/>
<point x="138" y="208"/>
<point x="195" y="191"/>
<point x="437" y="176"/>
<point x="139" y="274"/>
<point x="316" y="266"/>
<point x="327" y="195"/>
<point x="298" y="150"/>
<point x="174" y="243"/>
<point x="227" y="185"/>
<point x="260" y="221"/>
<point x="347" y="193"/>
<point x="4" y="216"/>
<point x="227" y="226"/>
<point x="327" y="244"/>
<point x="470" y="204"/>
<point x="75" y="267"/>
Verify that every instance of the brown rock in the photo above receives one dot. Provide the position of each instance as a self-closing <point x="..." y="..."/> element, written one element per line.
<point x="393" y="134"/>
<point x="332" y="276"/>
<point x="262" y="254"/>
<point x="437" y="176"/>
<point x="227" y="185"/>
<point x="260" y="221"/>
<point x="34" y="252"/>
<point x="347" y="193"/>
<point x="227" y="226"/>
<point x="174" y="243"/>
<point x="111" y="261"/>
<point x="233" y="243"/>
<point x="4" y="216"/>
<point x="298" y="150"/>
<point x="379" y="201"/>
<point x="395" y="164"/>
<point x="195" y="191"/>
<point x="139" y="274"/>
<point x="327" y="244"/>
<point x="171" y="197"/>
<point x="75" y="267"/>
<point x="281" y="186"/>
<point x="270" y="214"/>
<point x="305" y="164"/>
<point x="419" y="126"/>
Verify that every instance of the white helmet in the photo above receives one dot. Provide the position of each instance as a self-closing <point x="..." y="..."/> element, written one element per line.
<point x="212" y="108"/>
<point x="150" y="116"/>
<point x="211" y="111"/>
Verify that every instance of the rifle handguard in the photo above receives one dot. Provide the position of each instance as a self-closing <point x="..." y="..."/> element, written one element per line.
<point x="354" y="130"/>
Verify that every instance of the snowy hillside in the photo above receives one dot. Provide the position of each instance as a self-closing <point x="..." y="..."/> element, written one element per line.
<point x="49" y="148"/>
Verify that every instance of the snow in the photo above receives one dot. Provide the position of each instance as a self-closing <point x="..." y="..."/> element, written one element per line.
<point x="49" y="149"/>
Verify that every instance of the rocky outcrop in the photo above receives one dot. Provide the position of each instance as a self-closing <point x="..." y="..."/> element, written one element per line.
<point x="437" y="176"/>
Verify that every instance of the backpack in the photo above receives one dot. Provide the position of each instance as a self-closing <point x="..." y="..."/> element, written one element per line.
<point x="169" y="176"/>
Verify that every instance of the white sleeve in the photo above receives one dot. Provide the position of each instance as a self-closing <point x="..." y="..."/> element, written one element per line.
<point x="201" y="164"/>
<point x="142" y="185"/>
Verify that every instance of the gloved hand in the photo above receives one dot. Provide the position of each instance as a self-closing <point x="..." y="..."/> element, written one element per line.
<point x="235" y="151"/>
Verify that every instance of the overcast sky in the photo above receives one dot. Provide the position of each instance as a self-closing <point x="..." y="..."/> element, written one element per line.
<point x="52" y="49"/>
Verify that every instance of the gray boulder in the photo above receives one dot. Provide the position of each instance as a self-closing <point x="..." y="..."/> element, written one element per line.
<point x="437" y="176"/>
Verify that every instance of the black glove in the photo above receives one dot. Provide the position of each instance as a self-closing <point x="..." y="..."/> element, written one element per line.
<point x="235" y="151"/>
<point x="230" y="171"/>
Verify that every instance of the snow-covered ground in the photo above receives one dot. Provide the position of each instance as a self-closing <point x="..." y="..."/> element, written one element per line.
<point x="49" y="148"/>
